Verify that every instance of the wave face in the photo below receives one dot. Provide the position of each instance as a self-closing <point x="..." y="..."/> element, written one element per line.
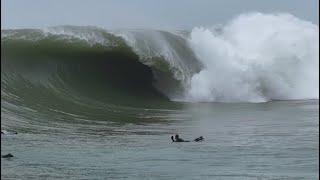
<point x="83" y="74"/>
<point x="253" y="58"/>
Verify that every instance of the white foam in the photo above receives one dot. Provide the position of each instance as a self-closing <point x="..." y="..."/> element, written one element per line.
<point x="256" y="58"/>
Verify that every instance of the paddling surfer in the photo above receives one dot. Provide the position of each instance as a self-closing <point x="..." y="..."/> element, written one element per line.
<point x="178" y="139"/>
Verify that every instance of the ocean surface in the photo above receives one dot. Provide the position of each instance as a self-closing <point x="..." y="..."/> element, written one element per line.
<point x="92" y="103"/>
<point x="274" y="140"/>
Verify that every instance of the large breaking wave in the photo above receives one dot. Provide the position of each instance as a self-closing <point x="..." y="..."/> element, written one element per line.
<point x="253" y="58"/>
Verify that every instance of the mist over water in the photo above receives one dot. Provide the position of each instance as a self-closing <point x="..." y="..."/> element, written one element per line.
<point x="255" y="58"/>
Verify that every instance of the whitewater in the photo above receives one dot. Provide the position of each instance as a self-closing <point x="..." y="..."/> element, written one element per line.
<point x="257" y="58"/>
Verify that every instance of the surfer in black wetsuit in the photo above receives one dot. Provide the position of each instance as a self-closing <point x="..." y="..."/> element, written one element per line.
<point x="178" y="139"/>
<point x="7" y="156"/>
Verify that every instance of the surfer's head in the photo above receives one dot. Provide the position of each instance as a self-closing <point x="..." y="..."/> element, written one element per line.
<point x="177" y="136"/>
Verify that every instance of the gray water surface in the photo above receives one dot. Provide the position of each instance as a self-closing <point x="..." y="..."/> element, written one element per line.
<point x="274" y="140"/>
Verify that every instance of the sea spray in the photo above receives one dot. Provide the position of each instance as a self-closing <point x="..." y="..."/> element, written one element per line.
<point x="255" y="58"/>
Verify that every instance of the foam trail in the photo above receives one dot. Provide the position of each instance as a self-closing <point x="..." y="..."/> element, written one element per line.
<point x="256" y="58"/>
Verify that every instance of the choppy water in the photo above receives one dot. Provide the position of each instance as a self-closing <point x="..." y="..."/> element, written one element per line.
<point x="275" y="140"/>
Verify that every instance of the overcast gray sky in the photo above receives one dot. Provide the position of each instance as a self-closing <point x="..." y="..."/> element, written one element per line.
<point x="160" y="14"/>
